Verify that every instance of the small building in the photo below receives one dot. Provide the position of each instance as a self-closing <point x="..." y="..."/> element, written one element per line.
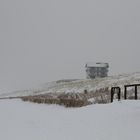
<point x="96" y="70"/>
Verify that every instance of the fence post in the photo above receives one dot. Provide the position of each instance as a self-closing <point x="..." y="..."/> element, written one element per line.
<point x="113" y="92"/>
<point x="125" y="92"/>
<point x="136" y="92"/>
<point x="119" y="94"/>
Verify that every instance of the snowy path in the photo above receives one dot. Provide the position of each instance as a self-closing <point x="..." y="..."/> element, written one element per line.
<point x="27" y="121"/>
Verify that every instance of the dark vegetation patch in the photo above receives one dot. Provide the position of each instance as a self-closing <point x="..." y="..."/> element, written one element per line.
<point x="71" y="99"/>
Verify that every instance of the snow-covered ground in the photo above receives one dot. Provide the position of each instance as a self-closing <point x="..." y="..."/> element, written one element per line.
<point x="28" y="121"/>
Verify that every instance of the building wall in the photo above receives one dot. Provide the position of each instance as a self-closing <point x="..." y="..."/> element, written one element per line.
<point x="94" y="72"/>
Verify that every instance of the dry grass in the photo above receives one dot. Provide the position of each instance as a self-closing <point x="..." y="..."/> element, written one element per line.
<point x="71" y="99"/>
<point x="61" y="101"/>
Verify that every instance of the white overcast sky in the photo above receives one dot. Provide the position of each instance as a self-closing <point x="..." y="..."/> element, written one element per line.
<point x="47" y="40"/>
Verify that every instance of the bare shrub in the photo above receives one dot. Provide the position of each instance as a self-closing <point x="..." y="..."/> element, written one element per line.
<point x="66" y="100"/>
<point x="72" y="99"/>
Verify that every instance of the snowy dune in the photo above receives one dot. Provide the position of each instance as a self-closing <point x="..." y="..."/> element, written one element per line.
<point x="28" y="121"/>
<point x="78" y="86"/>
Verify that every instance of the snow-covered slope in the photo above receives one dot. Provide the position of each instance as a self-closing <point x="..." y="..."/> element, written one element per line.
<point x="28" y="121"/>
<point x="78" y="86"/>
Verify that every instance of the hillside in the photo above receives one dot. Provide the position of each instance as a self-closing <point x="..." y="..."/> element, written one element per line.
<point x="98" y="90"/>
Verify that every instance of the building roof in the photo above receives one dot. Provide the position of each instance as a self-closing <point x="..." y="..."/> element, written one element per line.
<point x="98" y="64"/>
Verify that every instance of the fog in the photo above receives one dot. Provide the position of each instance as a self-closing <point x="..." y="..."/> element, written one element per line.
<point x="48" y="40"/>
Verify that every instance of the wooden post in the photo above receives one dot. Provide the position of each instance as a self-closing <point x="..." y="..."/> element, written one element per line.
<point x="125" y="92"/>
<point x="113" y="92"/>
<point x="136" y="92"/>
<point x="119" y="94"/>
<point x="85" y="91"/>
